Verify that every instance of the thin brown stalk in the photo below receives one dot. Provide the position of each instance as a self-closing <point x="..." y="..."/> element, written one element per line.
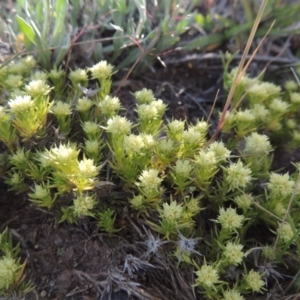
<point x="241" y="69"/>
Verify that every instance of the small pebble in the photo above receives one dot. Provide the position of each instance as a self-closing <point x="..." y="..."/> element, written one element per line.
<point x="43" y="294"/>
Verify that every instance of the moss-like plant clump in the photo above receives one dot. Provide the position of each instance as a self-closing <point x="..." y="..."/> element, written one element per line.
<point x="65" y="143"/>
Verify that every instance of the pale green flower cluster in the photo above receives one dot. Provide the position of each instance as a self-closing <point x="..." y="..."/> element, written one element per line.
<point x="183" y="168"/>
<point x="233" y="253"/>
<point x="280" y="185"/>
<point x="229" y="219"/>
<point x="56" y="74"/>
<point x="110" y="106"/>
<point x="147" y="112"/>
<point x="220" y="151"/>
<point x="91" y="129"/>
<point x="83" y="205"/>
<point x="279" y="106"/>
<point x="8" y="271"/>
<point x="285" y="232"/>
<point x="175" y="129"/>
<point x="87" y="168"/>
<point x="237" y="175"/>
<point x="84" y="104"/>
<point x="58" y="156"/>
<point x="14" y="81"/>
<point x="144" y="96"/>
<point x="295" y="98"/>
<point x="133" y="143"/>
<point x="78" y="75"/>
<point x="172" y="212"/>
<point x="291" y="85"/>
<point x="207" y="160"/>
<point x="39" y="75"/>
<point x="149" y="181"/>
<point x="244" y="201"/>
<point x="165" y="146"/>
<point x="232" y="295"/>
<point x="61" y="109"/>
<point x="149" y="141"/>
<point x="37" y="88"/>
<point x="257" y="144"/>
<point x="21" y="104"/>
<point x="254" y="281"/>
<point x="260" y="111"/>
<point x="118" y="125"/>
<point x="207" y="276"/>
<point x="102" y="70"/>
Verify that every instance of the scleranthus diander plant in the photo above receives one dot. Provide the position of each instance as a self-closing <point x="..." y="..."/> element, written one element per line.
<point x="197" y="200"/>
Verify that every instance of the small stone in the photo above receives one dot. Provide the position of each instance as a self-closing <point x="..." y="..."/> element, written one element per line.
<point x="43" y="294"/>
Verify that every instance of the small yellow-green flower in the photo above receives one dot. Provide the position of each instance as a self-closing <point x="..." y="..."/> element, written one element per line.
<point x="207" y="276"/>
<point x="61" y="109"/>
<point x="220" y="151"/>
<point x="183" y="168"/>
<point x="137" y="202"/>
<point x="144" y="96"/>
<point x="257" y="144"/>
<point x="18" y="68"/>
<point x="29" y="61"/>
<point x="175" y="129"/>
<point x="206" y="160"/>
<point x="291" y="123"/>
<point x="118" y="125"/>
<point x="244" y="116"/>
<point x="201" y="127"/>
<point x="149" y="180"/>
<point x="285" y="232"/>
<point x="269" y="253"/>
<point x="14" y="81"/>
<point x="102" y="70"/>
<point x="295" y="98"/>
<point x="279" y="106"/>
<point x="39" y="75"/>
<point x="229" y="219"/>
<point x="84" y="104"/>
<point x="8" y="271"/>
<point x="254" y="281"/>
<point x="291" y="85"/>
<point x="92" y="147"/>
<point x="78" y="75"/>
<point x="133" y="143"/>
<point x="260" y="111"/>
<point x="37" y="87"/>
<point x="91" y="128"/>
<point x="280" y="185"/>
<point x="243" y="201"/>
<point x="192" y="137"/>
<point x="232" y="295"/>
<point x="56" y="74"/>
<point x="83" y="205"/>
<point x="21" y="104"/>
<point x="160" y="106"/>
<point x="110" y="105"/>
<point x="87" y="168"/>
<point x="61" y="155"/>
<point x="165" y="146"/>
<point x="233" y="253"/>
<point x="172" y="211"/>
<point x="149" y="141"/>
<point x="147" y="112"/>
<point x="237" y="175"/>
